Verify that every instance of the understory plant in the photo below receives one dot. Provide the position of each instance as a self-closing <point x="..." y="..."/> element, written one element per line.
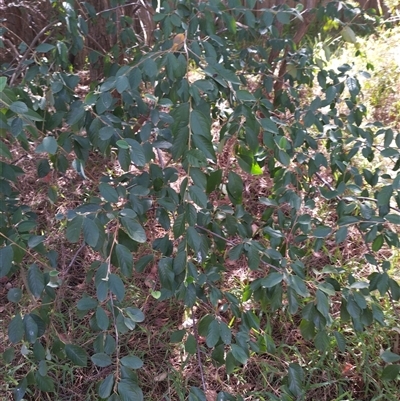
<point x="220" y="80"/>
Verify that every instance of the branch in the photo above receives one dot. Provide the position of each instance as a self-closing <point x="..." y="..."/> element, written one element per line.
<point x="233" y="244"/>
<point x="28" y="50"/>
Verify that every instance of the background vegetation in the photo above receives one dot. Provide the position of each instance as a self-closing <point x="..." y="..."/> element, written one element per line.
<point x="199" y="201"/>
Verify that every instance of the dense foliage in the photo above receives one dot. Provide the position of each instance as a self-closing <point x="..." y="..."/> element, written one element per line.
<point x="218" y="75"/>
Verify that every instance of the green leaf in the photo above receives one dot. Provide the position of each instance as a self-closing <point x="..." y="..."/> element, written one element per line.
<point x="322" y="232"/>
<point x="177" y="336"/>
<point x="393" y="218"/>
<point x="204" y="145"/>
<point x="87" y="303"/>
<point x="106" y="386"/>
<point x="245" y="96"/>
<point x="125" y="259"/>
<point x="283" y="157"/>
<point x="298" y="285"/>
<point x="196" y="394"/>
<point x="384" y="195"/>
<point x="179" y="226"/>
<point x="199" y="124"/>
<point x="8" y="355"/>
<point x="341" y="235"/>
<point x="135" y="314"/>
<point x="116" y="286"/>
<point x="35" y="240"/>
<point x="193" y="239"/>
<point x="391" y="372"/>
<point x="4" y="151"/>
<point x="122" y="83"/>
<point x="340" y="341"/>
<point x="295" y="379"/>
<point x="14" y="295"/>
<point x="134" y="230"/>
<point x="6" y="259"/>
<point x="102" y="319"/>
<point x="225" y="333"/>
<point x="16" y="329"/>
<point x="49" y="145"/>
<point x="230" y="363"/>
<point x="212" y="334"/>
<point x="44" y="47"/>
<point x="122" y="144"/>
<point x="235" y="188"/>
<point x="348" y="34"/>
<point x="269" y="125"/>
<point x="74" y="228"/>
<point x="271" y="280"/>
<point x="214" y="180"/>
<point x="91" y="232"/>
<point x="239" y="354"/>
<point x="19" y="107"/>
<point x="377" y="243"/>
<point x="390" y="357"/>
<point x="76" y="354"/>
<point x="191" y="345"/>
<point x="31" y="328"/>
<point x="35" y="280"/>
<point x="198" y="196"/>
<point x="322" y="303"/>
<point x="104" y="102"/>
<point x="108" y="192"/>
<point x="307" y="329"/>
<point x="20" y="390"/>
<point x="3" y="83"/>
<point x="129" y="391"/>
<point x="101" y="359"/>
<point x="136" y="151"/>
<point x="44" y="383"/>
<point x="321" y="341"/>
<point x="132" y="362"/>
<point x="40" y="355"/>
<point x="107" y="133"/>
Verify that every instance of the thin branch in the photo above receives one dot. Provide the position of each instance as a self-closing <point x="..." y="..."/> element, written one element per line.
<point x="124" y="5"/>
<point x="357" y="197"/>
<point x="233" y="244"/>
<point x="28" y="50"/>
<point x="73" y="259"/>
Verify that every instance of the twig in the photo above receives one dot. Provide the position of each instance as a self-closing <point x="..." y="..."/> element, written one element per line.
<point x="122" y="5"/>
<point x="215" y="235"/>
<point x="74" y="258"/>
<point x="28" y="50"/>
<point x="233" y="244"/>
<point x="356" y="197"/>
